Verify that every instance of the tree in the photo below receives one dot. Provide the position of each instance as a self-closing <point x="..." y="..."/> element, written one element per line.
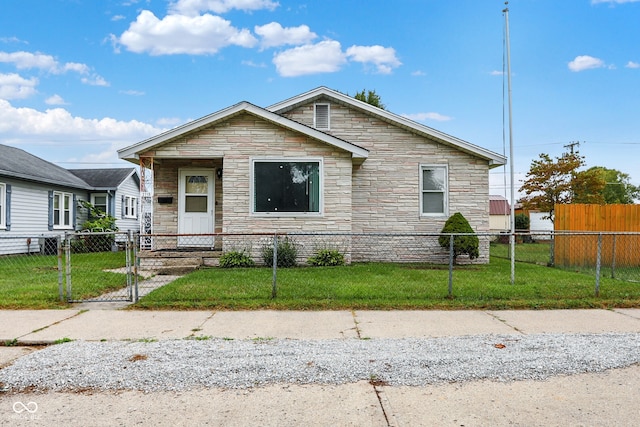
<point x="617" y="187"/>
<point x="558" y="181"/>
<point x="467" y="244"/>
<point x="370" y="97"/>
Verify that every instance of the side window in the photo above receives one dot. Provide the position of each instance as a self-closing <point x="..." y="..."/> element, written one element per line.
<point x="434" y="196"/>
<point x="130" y="207"/>
<point x="3" y="207"/>
<point x="62" y="209"/>
<point x="100" y="202"/>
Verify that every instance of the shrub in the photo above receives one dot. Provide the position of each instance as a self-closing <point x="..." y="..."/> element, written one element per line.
<point x="469" y="245"/>
<point x="287" y="253"/>
<point x="522" y="221"/>
<point x="326" y="258"/>
<point x="235" y="259"/>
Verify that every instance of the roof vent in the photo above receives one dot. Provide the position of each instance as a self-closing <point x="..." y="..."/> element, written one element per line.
<point x="321" y="116"/>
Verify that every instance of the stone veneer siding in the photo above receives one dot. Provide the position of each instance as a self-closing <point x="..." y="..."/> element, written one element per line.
<point x="386" y="186"/>
<point x="233" y="144"/>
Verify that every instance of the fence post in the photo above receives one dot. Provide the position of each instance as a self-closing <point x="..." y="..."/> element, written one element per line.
<point x="60" y="282"/>
<point x="598" y="261"/>
<point x="450" y="265"/>
<point x="67" y="254"/>
<point x="274" y="289"/>
<point x="136" y="260"/>
<point x="552" y="250"/>
<point x="613" y="257"/>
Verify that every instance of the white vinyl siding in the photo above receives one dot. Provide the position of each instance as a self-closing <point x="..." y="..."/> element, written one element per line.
<point x="434" y="193"/>
<point x="321" y="117"/>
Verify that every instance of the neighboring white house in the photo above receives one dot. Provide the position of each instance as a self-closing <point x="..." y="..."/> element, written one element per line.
<point x="39" y="201"/>
<point x="116" y="192"/>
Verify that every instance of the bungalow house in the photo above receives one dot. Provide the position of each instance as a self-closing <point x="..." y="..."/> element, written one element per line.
<point x="40" y="200"/>
<point x="321" y="161"/>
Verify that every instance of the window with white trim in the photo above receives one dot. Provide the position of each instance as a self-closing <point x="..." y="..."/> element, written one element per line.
<point x="434" y="193"/>
<point x="321" y="117"/>
<point x="286" y="186"/>
<point x="100" y="202"/>
<point x="3" y="207"/>
<point x="62" y="209"/>
<point x="130" y="207"/>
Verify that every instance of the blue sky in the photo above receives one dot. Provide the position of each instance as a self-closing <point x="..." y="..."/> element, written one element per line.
<point x="80" y="79"/>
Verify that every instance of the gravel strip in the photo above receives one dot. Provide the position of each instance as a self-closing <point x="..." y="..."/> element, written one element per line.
<point x="179" y="365"/>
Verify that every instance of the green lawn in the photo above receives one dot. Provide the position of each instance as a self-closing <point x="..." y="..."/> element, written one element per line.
<point x="32" y="281"/>
<point x="392" y="286"/>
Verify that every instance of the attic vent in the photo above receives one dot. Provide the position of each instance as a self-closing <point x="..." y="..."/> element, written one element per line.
<point x="321" y="117"/>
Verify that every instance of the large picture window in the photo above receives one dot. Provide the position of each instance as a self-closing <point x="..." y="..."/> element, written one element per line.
<point x="286" y="186"/>
<point x="434" y="190"/>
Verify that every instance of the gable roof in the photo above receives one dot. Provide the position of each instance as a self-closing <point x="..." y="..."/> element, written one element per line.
<point x="494" y="159"/>
<point x="17" y="163"/>
<point x="105" y="179"/>
<point x="131" y="153"/>
<point x="498" y="205"/>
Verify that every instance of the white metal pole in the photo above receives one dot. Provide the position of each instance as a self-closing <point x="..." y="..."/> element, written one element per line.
<point x="512" y="238"/>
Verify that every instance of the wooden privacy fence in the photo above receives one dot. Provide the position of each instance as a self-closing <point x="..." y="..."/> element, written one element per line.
<point x="584" y="232"/>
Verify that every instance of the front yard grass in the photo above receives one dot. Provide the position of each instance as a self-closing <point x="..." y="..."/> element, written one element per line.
<point x="388" y="286"/>
<point x="31" y="281"/>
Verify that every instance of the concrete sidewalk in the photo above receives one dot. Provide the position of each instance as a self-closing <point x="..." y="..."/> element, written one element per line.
<point x="28" y="327"/>
<point x="608" y="398"/>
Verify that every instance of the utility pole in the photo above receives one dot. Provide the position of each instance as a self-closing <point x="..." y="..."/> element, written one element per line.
<point x="571" y="145"/>
<point x="512" y="237"/>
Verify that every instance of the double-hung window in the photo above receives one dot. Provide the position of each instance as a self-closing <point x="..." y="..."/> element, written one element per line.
<point x="286" y="186"/>
<point x="3" y="207"/>
<point x="130" y="207"/>
<point x="100" y="202"/>
<point x="434" y="193"/>
<point x="62" y="209"/>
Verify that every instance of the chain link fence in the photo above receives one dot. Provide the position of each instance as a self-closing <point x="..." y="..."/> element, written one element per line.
<point x="106" y="266"/>
<point x="71" y="267"/>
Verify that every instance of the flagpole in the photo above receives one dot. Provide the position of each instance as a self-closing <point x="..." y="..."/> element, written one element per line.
<point x="512" y="237"/>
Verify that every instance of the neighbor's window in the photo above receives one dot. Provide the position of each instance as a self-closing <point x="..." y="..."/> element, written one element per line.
<point x="285" y="186"/>
<point x="130" y="207"/>
<point x="62" y="209"/>
<point x="99" y="201"/>
<point x="434" y="192"/>
<point x="321" y="116"/>
<point x="3" y="208"/>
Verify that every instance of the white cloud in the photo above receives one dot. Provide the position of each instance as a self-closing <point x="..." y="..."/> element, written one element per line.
<point x="323" y="57"/>
<point x="420" y="117"/>
<point x="384" y="58"/>
<point x="55" y="100"/>
<point x="497" y="73"/>
<point x="27" y="60"/>
<point x="194" y="7"/>
<point x="169" y="121"/>
<point x="178" y="34"/>
<point x="95" y="80"/>
<point x="418" y="73"/>
<point x="632" y="64"/>
<point x="273" y="34"/>
<point x="585" y="62"/>
<point x="132" y="92"/>
<point x="14" y="86"/>
<point x="28" y="122"/>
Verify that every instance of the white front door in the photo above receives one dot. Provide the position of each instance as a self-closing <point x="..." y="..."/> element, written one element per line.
<point x="196" y="206"/>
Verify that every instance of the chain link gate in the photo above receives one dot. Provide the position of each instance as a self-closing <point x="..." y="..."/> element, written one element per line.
<point x="100" y="266"/>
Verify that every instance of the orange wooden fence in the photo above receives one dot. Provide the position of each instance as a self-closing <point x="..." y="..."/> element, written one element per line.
<point x="580" y="250"/>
